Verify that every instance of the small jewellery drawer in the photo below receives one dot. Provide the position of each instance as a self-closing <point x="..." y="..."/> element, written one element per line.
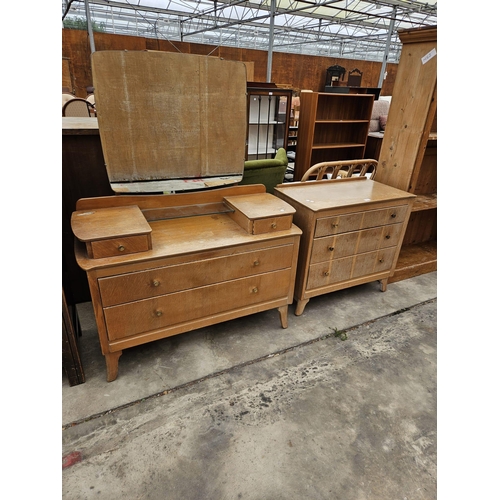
<point x="345" y="244"/>
<point x="262" y="226"/>
<point x="175" y="308"/>
<point x="119" y="246"/>
<point x="355" y="266"/>
<point x="359" y="220"/>
<point x="260" y="213"/>
<point x="153" y="282"/>
<point x="113" y="231"/>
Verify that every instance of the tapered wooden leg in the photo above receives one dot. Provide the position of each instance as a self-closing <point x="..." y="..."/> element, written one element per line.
<point x="283" y="310"/>
<point x="301" y="304"/>
<point x="383" y="284"/>
<point x="112" y="364"/>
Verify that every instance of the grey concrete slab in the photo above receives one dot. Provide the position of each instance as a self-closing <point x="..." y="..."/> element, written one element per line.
<point x="325" y="419"/>
<point x="169" y="363"/>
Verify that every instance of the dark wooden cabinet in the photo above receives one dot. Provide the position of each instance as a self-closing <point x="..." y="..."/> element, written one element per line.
<point x="83" y="175"/>
<point x="268" y="120"/>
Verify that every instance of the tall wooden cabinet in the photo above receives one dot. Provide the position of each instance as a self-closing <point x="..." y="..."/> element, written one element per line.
<point x="408" y="154"/>
<point x="332" y="127"/>
<point x="268" y="119"/>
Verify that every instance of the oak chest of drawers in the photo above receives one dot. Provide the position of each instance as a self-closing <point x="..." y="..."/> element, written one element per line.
<point x="164" y="265"/>
<point x="352" y="233"/>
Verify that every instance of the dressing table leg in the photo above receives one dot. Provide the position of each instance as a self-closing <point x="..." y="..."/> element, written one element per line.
<point x="383" y="284"/>
<point x="112" y="364"/>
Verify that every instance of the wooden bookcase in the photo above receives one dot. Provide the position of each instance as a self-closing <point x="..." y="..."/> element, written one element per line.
<point x="408" y="154"/>
<point x="332" y="127"/>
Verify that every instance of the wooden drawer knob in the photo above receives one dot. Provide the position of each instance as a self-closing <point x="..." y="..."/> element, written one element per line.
<point x="334" y="224"/>
<point x="274" y="225"/>
<point x="255" y="290"/>
<point x="331" y="249"/>
<point x="158" y="313"/>
<point x="156" y="282"/>
<point x="121" y="248"/>
<point x="387" y="236"/>
<point x="326" y="273"/>
<point x="256" y="263"/>
<point x="393" y="216"/>
<point x="381" y="261"/>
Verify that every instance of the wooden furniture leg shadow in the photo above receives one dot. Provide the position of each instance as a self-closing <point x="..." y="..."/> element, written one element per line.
<point x="71" y="362"/>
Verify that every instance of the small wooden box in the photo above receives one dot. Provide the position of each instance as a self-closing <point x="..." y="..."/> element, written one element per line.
<point x="260" y="213"/>
<point x="108" y="232"/>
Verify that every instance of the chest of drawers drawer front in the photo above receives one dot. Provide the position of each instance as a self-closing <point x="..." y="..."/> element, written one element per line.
<point x="326" y="273"/>
<point x="392" y="215"/>
<point x="345" y="244"/>
<point x="390" y="235"/>
<point x="144" y="284"/>
<point x="373" y="262"/>
<point x="262" y="226"/>
<point x="338" y="224"/>
<point x="346" y="268"/>
<point x="119" y="246"/>
<point x="180" y="307"/>
<point x="360" y="220"/>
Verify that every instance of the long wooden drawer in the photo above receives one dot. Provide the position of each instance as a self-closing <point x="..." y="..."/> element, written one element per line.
<point x="345" y="244"/>
<point x="168" y="310"/>
<point x="346" y="268"/>
<point x="359" y="220"/>
<point x="144" y="284"/>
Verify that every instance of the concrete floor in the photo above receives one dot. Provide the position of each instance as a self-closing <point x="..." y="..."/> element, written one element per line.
<point x="245" y="409"/>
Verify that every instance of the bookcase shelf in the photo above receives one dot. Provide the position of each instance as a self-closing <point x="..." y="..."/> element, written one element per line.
<point x="332" y="127"/>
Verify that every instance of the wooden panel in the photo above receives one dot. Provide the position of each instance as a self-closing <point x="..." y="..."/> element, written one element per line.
<point x="104" y="223"/>
<point x="162" y="280"/>
<point x="299" y="70"/>
<point x="168" y="310"/>
<point x="408" y="123"/>
<point x="67" y="77"/>
<point x="426" y="182"/>
<point x="157" y="110"/>
<point x="422" y="226"/>
<point x="414" y="260"/>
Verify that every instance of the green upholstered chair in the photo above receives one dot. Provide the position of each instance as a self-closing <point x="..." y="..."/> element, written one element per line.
<point x="269" y="172"/>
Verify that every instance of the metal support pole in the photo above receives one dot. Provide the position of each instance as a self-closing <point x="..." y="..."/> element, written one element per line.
<point x="89" y="27"/>
<point x="387" y="47"/>
<point x="271" y="42"/>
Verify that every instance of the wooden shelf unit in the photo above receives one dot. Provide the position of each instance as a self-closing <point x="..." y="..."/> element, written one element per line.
<point x="408" y="154"/>
<point x="332" y="127"/>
